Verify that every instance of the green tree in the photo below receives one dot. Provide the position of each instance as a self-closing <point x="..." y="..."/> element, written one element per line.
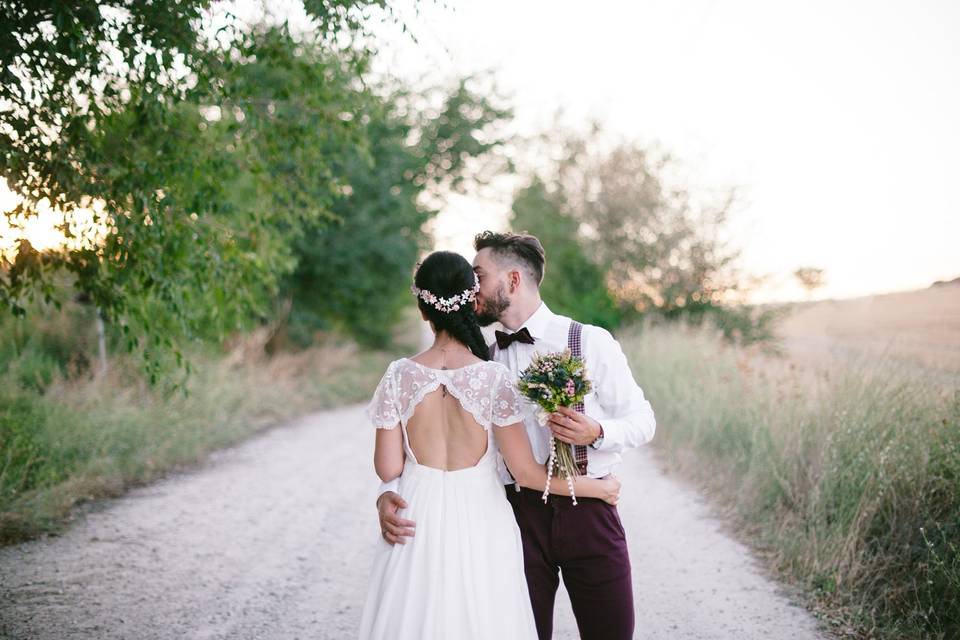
<point x="354" y="274"/>
<point x="632" y="232"/>
<point x="659" y="245"/>
<point x="572" y="284"/>
<point x="109" y="101"/>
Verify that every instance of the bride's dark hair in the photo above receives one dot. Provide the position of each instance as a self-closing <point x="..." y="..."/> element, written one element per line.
<point x="446" y="274"/>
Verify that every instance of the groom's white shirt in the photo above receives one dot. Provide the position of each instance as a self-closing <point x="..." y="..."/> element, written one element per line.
<point x="616" y="402"/>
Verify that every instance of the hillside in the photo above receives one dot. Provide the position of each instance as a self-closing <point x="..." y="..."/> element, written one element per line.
<point x="915" y="328"/>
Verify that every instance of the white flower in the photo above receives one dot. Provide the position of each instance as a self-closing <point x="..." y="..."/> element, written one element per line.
<point x="447" y="305"/>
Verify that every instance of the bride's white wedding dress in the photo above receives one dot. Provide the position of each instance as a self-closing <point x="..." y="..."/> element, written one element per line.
<point x="461" y="576"/>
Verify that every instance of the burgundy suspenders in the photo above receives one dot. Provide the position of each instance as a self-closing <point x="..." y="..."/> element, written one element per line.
<point x="576" y="350"/>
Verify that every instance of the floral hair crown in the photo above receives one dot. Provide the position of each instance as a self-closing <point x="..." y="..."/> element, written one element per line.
<point x="447" y="305"/>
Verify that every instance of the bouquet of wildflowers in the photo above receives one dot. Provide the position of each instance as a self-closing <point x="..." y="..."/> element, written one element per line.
<point x="556" y="380"/>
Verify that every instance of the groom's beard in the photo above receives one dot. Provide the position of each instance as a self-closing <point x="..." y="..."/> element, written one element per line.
<point x="492" y="309"/>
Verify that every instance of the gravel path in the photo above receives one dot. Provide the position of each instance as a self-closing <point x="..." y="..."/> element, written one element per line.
<point x="272" y="538"/>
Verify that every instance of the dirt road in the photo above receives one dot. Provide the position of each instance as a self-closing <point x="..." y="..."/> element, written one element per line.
<point x="271" y="540"/>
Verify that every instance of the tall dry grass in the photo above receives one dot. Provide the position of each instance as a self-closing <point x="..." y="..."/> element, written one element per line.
<point x="67" y="438"/>
<point x="845" y="476"/>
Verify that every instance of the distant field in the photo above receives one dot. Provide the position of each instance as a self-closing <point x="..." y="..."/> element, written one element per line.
<point x="916" y="329"/>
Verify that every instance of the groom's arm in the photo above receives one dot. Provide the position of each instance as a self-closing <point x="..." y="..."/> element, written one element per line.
<point x="632" y="422"/>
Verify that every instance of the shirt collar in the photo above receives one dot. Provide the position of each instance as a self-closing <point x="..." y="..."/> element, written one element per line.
<point x="539" y="320"/>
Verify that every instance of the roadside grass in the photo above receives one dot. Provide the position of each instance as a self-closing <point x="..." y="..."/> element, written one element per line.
<point x="846" y="477"/>
<point x="68" y="437"/>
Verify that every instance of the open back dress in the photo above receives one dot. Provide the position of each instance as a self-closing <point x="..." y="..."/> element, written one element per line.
<point x="461" y="576"/>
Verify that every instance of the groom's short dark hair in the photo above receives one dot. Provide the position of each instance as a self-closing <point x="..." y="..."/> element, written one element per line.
<point x="521" y="249"/>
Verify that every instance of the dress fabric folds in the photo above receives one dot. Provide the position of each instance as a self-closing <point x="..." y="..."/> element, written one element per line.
<point x="461" y="576"/>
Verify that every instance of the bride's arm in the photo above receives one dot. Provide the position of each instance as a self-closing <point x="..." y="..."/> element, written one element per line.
<point x="515" y="448"/>
<point x="388" y="455"/>
<point x="388" y="458"/>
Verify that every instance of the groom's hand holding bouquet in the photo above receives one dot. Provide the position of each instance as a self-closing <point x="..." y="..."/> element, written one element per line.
<point x="573" y="427"/>
<point x="555" y="382"/>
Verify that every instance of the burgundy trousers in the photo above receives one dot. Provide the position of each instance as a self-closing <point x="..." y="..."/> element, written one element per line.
<point x="586" y="544"/>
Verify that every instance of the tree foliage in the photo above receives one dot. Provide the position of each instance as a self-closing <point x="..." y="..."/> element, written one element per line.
<point x="658" y="243"/>
<point x="810" y="278"/>
<point x="626" y="237"/>
<point x="353" y="275"/>
<point x="211" y="153"/>
<point x="573" y="285"/>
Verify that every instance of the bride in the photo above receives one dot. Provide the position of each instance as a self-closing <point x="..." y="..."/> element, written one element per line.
<point x="442" y="417"/>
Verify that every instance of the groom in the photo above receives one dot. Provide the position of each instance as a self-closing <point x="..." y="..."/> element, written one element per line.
<point x="584" y="542"/>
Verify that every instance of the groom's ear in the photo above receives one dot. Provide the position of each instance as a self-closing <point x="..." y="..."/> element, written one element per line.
<point x="513" y="277"/>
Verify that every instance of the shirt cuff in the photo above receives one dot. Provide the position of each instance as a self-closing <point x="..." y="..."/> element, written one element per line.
<point x="613" y="437"/>
<point x="393" y="485"/>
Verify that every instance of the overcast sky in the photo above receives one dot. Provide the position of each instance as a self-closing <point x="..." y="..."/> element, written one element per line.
<point x="839" y="119"/>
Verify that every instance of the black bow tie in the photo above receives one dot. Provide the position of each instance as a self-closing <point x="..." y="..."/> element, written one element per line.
<point x="504" y="340"/>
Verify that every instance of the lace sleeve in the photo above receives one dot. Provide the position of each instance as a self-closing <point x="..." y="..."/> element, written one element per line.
<point x="507" y="404"/>
<point x="384" y="409"/>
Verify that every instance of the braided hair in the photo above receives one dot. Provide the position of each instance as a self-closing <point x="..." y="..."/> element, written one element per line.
<point x="447" y="274"/>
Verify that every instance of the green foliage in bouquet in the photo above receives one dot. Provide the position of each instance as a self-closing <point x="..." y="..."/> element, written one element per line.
<point x="555" y="380"/>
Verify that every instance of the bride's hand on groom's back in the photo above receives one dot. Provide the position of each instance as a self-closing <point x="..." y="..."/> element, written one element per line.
<point x="393" y="528"/>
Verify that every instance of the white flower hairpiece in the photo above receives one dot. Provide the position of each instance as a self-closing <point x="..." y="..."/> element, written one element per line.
<point x="447" y="305"/>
